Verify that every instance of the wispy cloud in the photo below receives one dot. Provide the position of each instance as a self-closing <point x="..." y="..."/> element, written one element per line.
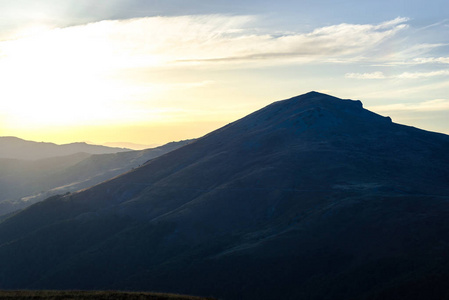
<point x="440" y="23"/>
<point x="431" y="105"/>
<point x="210" y="38"/>
<point x="329" y="43"/>
<point x="431" y="60"/>
<point x="373" y="75"/>
<point x="416" y="75"/>
<point x="404" y="75"/>
<point x="415" y="61"/>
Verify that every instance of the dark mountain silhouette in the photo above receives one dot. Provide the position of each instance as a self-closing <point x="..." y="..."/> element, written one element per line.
<point x="16" y="148"/>
<point x="312" y="197"/>
<point x="25" y="182"/>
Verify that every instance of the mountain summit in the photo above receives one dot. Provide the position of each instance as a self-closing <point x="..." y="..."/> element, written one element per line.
<point x="312" y="197"/>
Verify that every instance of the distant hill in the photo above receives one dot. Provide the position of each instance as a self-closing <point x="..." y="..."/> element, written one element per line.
<point x="16" y="148"/>
<point x="25" y="182"/>
<point x="312" y="197"/>
<point x="133" y="146"/>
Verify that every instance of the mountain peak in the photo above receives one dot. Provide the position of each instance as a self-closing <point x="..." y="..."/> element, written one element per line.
<point x="316" y="98"/>
<point x="314" y="114"/>
<point x="344" y="109"/>
<point x="315" y="94"/>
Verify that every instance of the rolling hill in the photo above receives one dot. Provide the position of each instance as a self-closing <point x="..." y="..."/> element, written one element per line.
<point x="16" y="148"/>
<point x="312" y="197"/>
<point x="25" y="182"/>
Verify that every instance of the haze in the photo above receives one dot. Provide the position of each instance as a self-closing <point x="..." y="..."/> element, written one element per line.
<point x="150" y="72"/>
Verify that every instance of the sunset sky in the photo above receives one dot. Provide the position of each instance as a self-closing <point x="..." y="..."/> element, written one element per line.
<point x="151" y="72"/>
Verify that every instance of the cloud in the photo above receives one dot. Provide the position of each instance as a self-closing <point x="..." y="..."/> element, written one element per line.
<point x="416" y="75"/>
<point x="411" y="54"/>
<point x="431" y="60"/>
<point x="374" y="75"/>
<point x="199" y="39"/>
<point x="392" y="23"/>
<point x="19" y="14"/>
<point x="419" y="60"/>
<point x="431" y="105"/>
<point x="405" y="75"/>
<point x="330" y="43"/>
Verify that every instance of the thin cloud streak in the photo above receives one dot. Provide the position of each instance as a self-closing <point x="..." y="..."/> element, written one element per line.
<point x="374" y="75"/>
<point x="404" y="75"/>
<point x="430" y="60"/>
<point x="416" y="75"/>
<point x="420" y="60"/>
<point x="426" y="106"/>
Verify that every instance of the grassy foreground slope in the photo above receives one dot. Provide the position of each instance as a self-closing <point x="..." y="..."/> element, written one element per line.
<point x="59" y="295"/>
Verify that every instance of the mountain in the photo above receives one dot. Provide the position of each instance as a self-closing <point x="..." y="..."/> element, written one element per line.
<point x="130" y="145"/>
<point x="312" y="197"/>
<point x="25" y="182"/>
<point x="16" y="148"/>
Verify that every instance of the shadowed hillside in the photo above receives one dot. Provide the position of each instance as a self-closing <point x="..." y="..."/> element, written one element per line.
<point x="312" y="197"/>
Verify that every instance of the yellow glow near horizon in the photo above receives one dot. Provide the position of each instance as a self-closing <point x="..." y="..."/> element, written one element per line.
<point x="143" y="134"/>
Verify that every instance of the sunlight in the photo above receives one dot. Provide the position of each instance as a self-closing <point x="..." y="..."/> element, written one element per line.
<point x="62" y="78"/>
<point x="29" y="31"/>
<point x="77" y="75"/>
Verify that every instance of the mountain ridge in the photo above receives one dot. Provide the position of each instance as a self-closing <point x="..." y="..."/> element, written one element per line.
<point x="17" y="148"/>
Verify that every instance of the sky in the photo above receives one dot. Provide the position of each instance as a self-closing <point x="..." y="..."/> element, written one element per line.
<point x="151" y="72"/>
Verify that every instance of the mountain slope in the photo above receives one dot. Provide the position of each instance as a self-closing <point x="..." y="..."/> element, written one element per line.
<point x="312" y="197"/>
